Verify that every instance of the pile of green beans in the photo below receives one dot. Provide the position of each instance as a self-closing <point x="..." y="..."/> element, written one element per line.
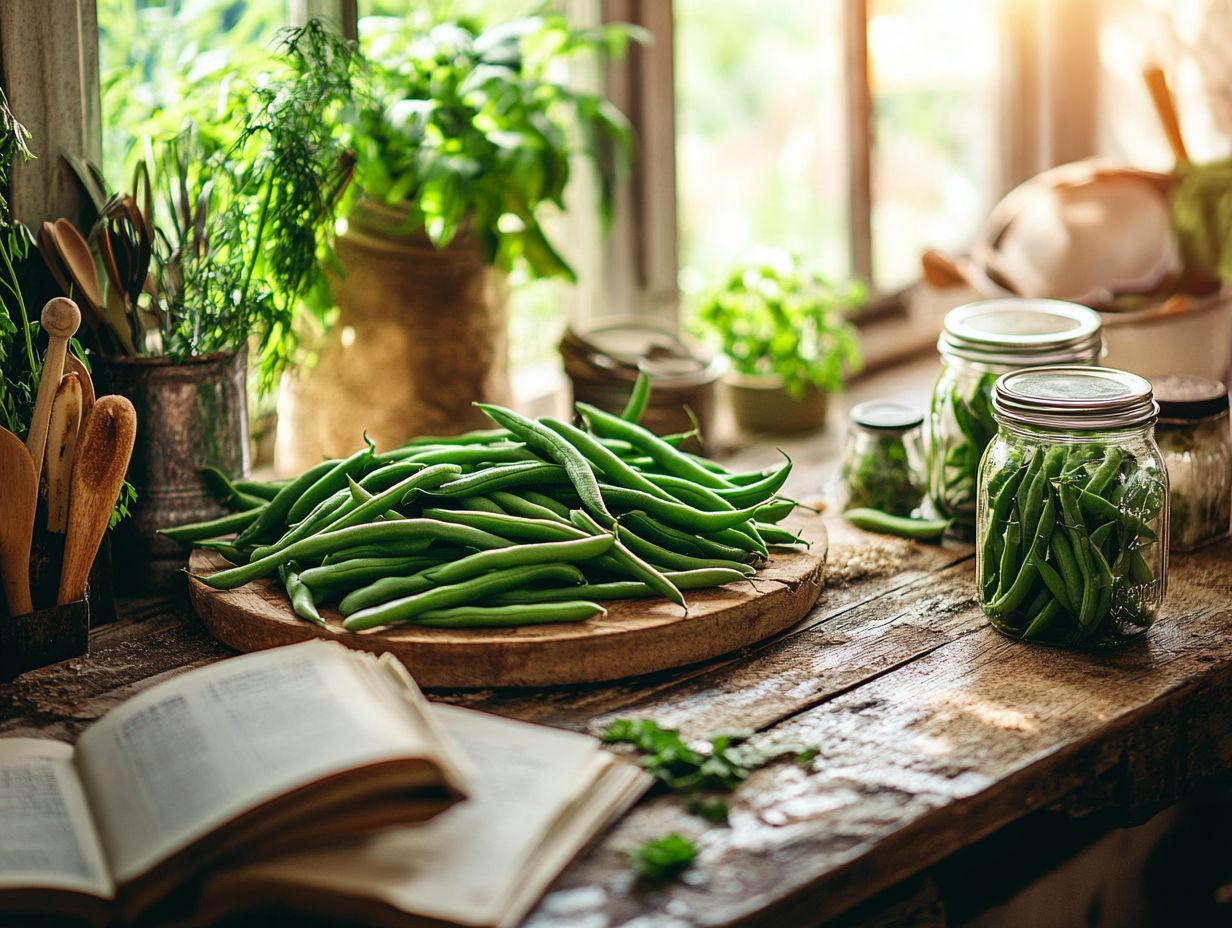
<point x="537" y="520"/>
<point x="961" y="425"/>
<point x="1069" y="553"/>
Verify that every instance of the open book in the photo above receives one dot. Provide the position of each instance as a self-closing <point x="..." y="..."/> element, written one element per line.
<point x="299" y="778"/>
<point x="242" y="759"/>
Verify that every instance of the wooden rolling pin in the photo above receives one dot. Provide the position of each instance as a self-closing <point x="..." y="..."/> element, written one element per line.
<point x="60" y="320"/>
<point x="103" y="452"/>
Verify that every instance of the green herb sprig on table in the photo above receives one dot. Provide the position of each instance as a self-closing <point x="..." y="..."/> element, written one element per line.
<point x="663" y="858"/>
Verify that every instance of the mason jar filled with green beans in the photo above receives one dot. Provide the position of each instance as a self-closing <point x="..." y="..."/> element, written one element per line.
<point x="979" y="342"/>
<point x="1072" y="516"/>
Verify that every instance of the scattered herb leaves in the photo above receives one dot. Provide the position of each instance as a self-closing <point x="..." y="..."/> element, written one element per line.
<point x="664" y="858"/>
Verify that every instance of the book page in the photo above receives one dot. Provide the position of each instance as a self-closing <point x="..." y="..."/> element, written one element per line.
<point x="175" y="763"/>
<point x="471" y="863"/>
<point x="47" y="835"/>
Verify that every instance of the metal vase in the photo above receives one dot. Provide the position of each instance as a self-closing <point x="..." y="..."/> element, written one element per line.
<point x="190" y="415"/>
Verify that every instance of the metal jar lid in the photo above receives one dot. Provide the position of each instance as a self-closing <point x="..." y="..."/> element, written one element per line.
<point x="1074" y="398"/>
<point x="1021" y="333"/>
<point x="1188" y="399"/>
<point x="882" y="416"/>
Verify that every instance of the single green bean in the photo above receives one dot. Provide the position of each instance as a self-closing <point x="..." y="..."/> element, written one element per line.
<point x="504" y="477"/>
<point x="625" y="589"/>
<point x="540" y="499"/>
<point x="214" y="528"/>
<point x="299" y="594"/>
<point x="874" y="520"/>
<point x="330" y="483"/>
<point x="274" y="517"/>
<point x="677" y="514"/>
<point x="665" y="557"/>
<point x="614" y="470"/>
<point x="329" y="578"/>
<point x="474" y="590"/>
<point x="628" y="562"/>
<point x="576" y="610"/>
<point x="518" y="528"/>
<point x="638" y="397"/>
<point x="517" y="506"/>
<point x="570" y="551"/>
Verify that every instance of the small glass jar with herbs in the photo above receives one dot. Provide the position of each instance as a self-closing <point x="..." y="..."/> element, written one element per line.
<point x="979" y="342"/>
<point x="1194" y="435"/>
<point x="1073" y="508"/>
<point x="883" y="461"/>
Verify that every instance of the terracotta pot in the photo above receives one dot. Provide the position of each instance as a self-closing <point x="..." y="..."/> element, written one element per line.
<point x="761" y="404"/>
<point x="190" y="415"/>
<point x="421" y="335"/>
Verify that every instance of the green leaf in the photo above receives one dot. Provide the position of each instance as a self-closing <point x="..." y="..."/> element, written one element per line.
<point x="664" y="858"/>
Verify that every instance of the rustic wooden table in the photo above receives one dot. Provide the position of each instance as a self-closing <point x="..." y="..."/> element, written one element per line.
<point x="934" y="730"/>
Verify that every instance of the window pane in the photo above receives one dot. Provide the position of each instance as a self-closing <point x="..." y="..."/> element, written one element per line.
<point x="934" y="74"/>
<point x="162" y="61"/>
<point x="1190" y="39"/>
<point x="760" y="142"/>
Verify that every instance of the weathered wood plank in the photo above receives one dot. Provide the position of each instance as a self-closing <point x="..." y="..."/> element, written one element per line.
<point x="938" y="753"/>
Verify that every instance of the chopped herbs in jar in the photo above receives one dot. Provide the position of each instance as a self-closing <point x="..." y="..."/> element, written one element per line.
<point x="1194" y="436"/>
<point x="883" y="463"/>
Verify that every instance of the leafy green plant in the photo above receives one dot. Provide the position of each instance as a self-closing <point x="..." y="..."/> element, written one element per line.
<point x="772" y="317"/>
<point x="19" y="363"/>
<point x="469" y="130"/>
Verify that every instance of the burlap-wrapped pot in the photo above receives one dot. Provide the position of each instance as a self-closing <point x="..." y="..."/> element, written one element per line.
<point x="421" y="335"/>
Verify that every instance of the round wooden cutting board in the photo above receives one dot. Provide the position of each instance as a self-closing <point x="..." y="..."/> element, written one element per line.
<point x="635" y="637"/>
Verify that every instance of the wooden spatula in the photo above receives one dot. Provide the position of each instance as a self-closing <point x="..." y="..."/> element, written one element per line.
<point x="62" y="450"/>
<point x="60" y="320"/>
<point x="74" y="366"/>
<point x="103" y="452"/>
<point x="18" y="501"/>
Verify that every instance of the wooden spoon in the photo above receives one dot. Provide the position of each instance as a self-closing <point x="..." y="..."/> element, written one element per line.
<point x="18" y="501"/>
<point x="77" y="259"/>
<point x="103" y="452"/>
<point x="62" y="450"/>
<point x="1165" y="109"/>
<point x="60" y="320"/>
<point x="72" y="365"/>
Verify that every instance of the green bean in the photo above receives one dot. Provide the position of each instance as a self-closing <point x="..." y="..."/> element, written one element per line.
<point x="746" y="541"/>
<point x="384" y="477"/>
<point x="690" y="494"/>
<point x="517" y="506"/>
<point x="1042" y="620"/>
<point x="517" y="528"/>
<point x="572" y="550"/>
<point x="387" y="499"/>
<point x="665" y="557"/>
<point x="265" y="489"/>
<point x="625" y="589"/>
<point x="638" y="398"/>
<point x="504" y="477"/>
<point x="543" y="439"/>
<point x="213" y="528"/>
<point x="1055" y="584"/>
<point x="299" y="594"/>
<point x="1068" y="567"/>
<point x="473" y="590"/>
<point x="689" y="543"/>
<point x="676" y="513"/>
<point x="1010" y="600"/>
<point x="474" y="437"/>
<point x="614" y="470"/>
<point x="317" y="518"/>
<point x="227" y="493"/>
<point x="1106" y="471"/>
<point x="274" y="516"/>
<point x="874" y="520"/>
<point x="384" y="590"/>
<point x="412" y="547"/>
<point x="476" y="454"/>
<point x="539" y="499"/>
<point x="761" y="490"/>
<point x="327" y="579"/>
<point x="627" y="562"/>
<point x="673" y="461"/>
<point x="777" y="535"/>
<point x="775" y="511"/>
<point x="404" y="533"/>
<point x="226" y="548"/>
<point x="576" y="610"/>
<point x="330" y="483"/>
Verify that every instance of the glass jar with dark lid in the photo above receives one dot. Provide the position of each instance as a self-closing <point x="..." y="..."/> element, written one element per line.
<point x="1072" y="521"/>
<point x="883" y="459"/>
<point x="1194" y="435"/>
<point x="981" y="341"/>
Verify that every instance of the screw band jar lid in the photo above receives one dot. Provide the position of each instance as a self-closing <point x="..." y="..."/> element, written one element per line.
<point x="882" y="416"/>
<point x="1022" y="333"/>
<point x="1189" y="398"/>
<point x="1074" y="398"/>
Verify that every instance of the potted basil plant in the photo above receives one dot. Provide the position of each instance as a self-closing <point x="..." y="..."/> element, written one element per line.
<point x="785" y="333"/>
<point x="464" y="139"/>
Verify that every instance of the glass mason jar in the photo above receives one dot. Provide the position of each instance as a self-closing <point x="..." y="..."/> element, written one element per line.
<point x="1073" y="508"/>
<point x="1193" y="434"/>
<point x="979" y="342"/>
<point x="883" y="461"/>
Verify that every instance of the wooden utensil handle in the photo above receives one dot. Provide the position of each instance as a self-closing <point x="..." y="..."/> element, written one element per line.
<point x="62" y="450"/>
<point x="60" y="320"/>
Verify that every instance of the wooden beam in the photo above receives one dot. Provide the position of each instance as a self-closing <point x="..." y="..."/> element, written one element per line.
<point x="49" y="70"/>
<point x="859" y="108"/>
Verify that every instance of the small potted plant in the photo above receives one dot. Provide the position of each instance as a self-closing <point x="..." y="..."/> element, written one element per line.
<point x="465" y="139"/>
<point x="785" y="332"/>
